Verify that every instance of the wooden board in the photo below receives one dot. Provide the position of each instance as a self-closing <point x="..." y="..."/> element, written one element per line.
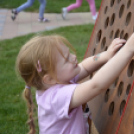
<point x="116" y="19"/>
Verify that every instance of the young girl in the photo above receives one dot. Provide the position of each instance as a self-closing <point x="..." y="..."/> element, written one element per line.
<point x="46" y="63"/>
<point x="78" y="3"/>
<point x="28" y="4"/>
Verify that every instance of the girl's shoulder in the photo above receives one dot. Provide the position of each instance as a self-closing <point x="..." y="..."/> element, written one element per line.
<point x="55" y="91"/>
<point x="56" y="97"/>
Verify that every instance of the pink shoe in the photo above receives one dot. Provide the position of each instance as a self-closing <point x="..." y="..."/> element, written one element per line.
<point x="43" y="20"/>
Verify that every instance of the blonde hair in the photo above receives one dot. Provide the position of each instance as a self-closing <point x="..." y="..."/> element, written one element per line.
<point x="42" y="49"/>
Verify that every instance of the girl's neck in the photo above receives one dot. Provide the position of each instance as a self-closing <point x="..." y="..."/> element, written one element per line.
<point x="47" y="86"/>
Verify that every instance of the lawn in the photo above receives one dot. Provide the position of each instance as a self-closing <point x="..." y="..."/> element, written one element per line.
<point x="12" y="107"/>
<point x="53" y="6"/>
<point x="13" y="115"/>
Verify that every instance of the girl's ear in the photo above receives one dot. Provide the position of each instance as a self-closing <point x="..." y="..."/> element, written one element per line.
<point x="47" y="79"/>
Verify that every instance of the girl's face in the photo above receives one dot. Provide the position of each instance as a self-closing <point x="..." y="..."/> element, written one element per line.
<point x="66" y="68"/>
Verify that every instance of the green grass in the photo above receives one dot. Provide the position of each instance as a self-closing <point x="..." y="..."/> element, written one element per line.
<point x="53" y="6"/>
<point x="13" y="115"/>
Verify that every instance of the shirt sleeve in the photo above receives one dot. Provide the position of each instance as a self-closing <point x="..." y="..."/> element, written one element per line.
<point x="60" y="100"/>
<point x="75" y="79"/>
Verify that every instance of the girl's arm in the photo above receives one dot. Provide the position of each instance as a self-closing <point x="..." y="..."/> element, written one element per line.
<point x="86" y="91"/>
<point x="93" y="63"/>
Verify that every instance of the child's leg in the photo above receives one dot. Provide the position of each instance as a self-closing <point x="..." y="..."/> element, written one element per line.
<point x="20" y="8"/>
<point x="65" y="10"/>
<point x="42" y="10"/>
<point x="25" y="5"/>
<point x="73" y="6"/>
<point x="92" y="9"/>
<point x="92" y="6"/>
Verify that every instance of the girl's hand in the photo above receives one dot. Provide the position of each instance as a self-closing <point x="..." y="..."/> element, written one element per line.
<point x="115" y="46"/>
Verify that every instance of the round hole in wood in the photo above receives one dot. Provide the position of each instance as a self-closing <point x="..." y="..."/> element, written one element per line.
<point x="128" y="18"/>
<point x="126" y="36"/>
<point x="111" y="108"/>
<point x="103" y="43"/>
<point x="112" y="19"/>
<point x="120" y="88"/>
<point x="123" y="103"/>
<point x="118" y="1"/>
<point x="130" y="69"/>
<point x="115" y="82"/>
<point x="111" y="34"/>
<point x="106" y="8"/>
<point x="94" y="51"/>
<point x="117" y="34"/>
<point x="106" y="22"/>
<point x="106" y="48"/>
<point x="128" y="89"/>
<point x="106" y="95"/>
<point x="98" y="38"/>
<point x="122" y="34"/>
<point x="112" y="3"/>
<point x="121" y="11"/>
<point x="129" y="3"/>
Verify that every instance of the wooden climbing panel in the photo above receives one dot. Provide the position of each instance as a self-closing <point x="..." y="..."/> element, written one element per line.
<point x="116" y="19"/>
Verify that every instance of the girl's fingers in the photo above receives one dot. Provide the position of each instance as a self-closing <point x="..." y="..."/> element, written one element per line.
<point x="118" y="46"/>
<point x="120" y="41"/>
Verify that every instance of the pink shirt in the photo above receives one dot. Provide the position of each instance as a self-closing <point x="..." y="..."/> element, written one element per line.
<point x="53" y="107"/>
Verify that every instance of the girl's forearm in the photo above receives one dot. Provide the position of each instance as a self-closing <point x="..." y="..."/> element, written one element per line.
<point x="111" y="70"/>
<point x="93" y="63"/>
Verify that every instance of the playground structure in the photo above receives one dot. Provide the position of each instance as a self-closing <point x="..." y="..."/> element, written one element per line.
<point x="113" y="110"/>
